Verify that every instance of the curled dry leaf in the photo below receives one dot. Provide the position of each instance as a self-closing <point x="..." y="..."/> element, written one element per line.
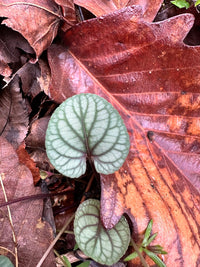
<point x="35" y="78"/>
<point x="68" y="11"/>
<point x="33" y="235"/>
<point x="36" y="137"/>
<point x="12" y="46"/>
<point x="102" y="7"/>
<point x="14" y="115"/>
<point x="36" y="20"/>
<point x="152" y="78"/>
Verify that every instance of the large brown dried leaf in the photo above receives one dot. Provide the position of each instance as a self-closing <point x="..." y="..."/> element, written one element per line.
<point x="102" y="7"/>
<point x="36" y="20"/>
<point x="33" y="235"/>
<point x="14" y="115"/>
<point x="152" y="78"/>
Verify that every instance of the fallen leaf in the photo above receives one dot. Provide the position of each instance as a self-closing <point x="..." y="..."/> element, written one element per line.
<point x="12" y="47"/>
<point x="35" y="78"/>
<point x="33" y="235"/>
<point x="102" y="7"/>
<point x="68" y="11"/>
<point x="36" y="20"/>
<point x="36" y="137"/>
<point x="152" y="78"/>
<point x="14" y="115"/>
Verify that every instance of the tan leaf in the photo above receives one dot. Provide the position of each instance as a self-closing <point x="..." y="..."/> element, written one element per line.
<point x="33" y="235"/>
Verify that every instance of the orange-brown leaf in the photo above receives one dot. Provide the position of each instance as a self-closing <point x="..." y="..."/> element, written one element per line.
<point x="152" y="78"/>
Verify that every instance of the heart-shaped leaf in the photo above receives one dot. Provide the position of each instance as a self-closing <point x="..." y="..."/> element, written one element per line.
<point x="104" y="246"/>
<point x="86" y="126"/>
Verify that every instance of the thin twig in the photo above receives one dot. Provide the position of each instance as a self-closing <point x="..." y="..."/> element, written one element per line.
<point x="88" y="187"/>
<point x="144" y="263"/>
<point x="2" y="176"/>
<point x="6" y="249"/>
<point x="54" y="241"/>
<point x="37" y="196"/>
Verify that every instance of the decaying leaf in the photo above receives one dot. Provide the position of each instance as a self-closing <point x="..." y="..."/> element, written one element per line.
<point x="36" y="20"/>
<point x="152" y="78"/>
<point x="102" y="7"/>
<point x="13" y="48"/>
<point x="34" y="78"/>
<point x="68" y="11"/>
<point x="14" y="115"/>
<point x="36" y="137"/>
<point x="33" y="235"/>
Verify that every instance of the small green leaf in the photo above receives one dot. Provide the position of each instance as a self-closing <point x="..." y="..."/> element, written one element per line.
<point x="66" y="261"/>
<point x="86" y="126"/>
<point x="147" y="233"/>
<point x="133" y="255"/>
<point x="181" y="3"/>
<point x="102" y="245"/>
<point x="157" y="249"/>
<point x="5" y="262"/>
<point x="155" y="258"/>
<point x="150" y="239"/>
<point x="197" y="3"/>
<point x="84" y="264"/>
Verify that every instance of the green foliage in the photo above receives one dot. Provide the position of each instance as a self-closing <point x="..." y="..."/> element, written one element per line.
<point x="197" y="3"/>
<point x="102" y="245"/>
<point x="5" y="262"/>
<point x="151" y="251"/>
<point x="86" y="126"/>
<point x="181" y="3"/>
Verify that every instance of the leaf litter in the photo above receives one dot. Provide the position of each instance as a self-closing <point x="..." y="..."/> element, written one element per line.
<point x="149" y="75"/>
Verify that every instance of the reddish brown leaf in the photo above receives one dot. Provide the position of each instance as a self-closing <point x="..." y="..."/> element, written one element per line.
<point x="152" y="78"/>
<point x="36" y="20"/>
<point x="14" y="116"/>
<point x="33" y="235"/>
<point x="68" y="11"/>
<point x="102" y="7"/>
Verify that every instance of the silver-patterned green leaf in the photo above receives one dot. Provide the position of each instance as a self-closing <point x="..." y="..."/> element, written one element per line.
<point x="5" y="262"/>
<point x="102" y="245"/>
<point x="86" y="126"/>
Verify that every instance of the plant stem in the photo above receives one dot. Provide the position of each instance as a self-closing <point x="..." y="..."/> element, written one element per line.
<point x="144" y="263"/>
<point x="55" y="240"/>
<point x="88" y="187"/>
<point x="33" y="197"/>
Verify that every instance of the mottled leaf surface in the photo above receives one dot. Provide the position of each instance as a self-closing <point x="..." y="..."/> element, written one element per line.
<point x="152" y="78"/>
<point x="103" y="246"/>
<point x="86" y="126"/>
<point x="33" y="235"/>
<point x="102" y="7"/>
